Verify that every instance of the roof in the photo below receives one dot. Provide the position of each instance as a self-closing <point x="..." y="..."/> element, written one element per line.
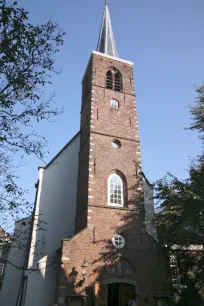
<point x="46" y="166"/>
<point x="106" y="42"/>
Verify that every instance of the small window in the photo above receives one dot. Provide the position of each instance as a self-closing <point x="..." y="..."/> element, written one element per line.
<point x="115" y="190"/>
<point x="116" y="144"/>
<point x="118" y="241"/>
<point x="114" y="104"/>
<point x="174" y="270"/>
<point x="1" y="268"/>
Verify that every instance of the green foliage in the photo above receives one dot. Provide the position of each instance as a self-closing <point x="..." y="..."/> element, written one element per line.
<point x="27" y="57"/>
<point x="181" y="221"/>
<point x="183" y="206"/>
<point x="197" y="112"/>
<point x="182" y="218"/>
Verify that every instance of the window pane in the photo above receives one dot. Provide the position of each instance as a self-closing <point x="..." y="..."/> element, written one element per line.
<point x="114" y="104"/>
<point x="174" y="270"/>
<point x="1" y="269"/>
<point x="115" y="190"/>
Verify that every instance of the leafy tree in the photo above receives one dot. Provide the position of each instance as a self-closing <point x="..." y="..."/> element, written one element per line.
<point x="27" y="57"/>
<point x="197" y="112"/>
<point x="181" y="221"/>
<point x="182" y="201"/>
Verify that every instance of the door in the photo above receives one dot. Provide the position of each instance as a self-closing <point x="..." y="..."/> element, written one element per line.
<point x="121" y="294"/>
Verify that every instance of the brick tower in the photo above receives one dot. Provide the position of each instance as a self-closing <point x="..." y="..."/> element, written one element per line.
<point x="111" y="260"/>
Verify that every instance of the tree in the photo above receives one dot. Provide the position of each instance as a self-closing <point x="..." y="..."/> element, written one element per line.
<point x="197" y="112"/>
<point x="27" y="57"/>
<point x="183" y="201"/>
<point x="181" y="222"/>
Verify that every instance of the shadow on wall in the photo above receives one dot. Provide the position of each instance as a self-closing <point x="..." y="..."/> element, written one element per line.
<point x="101" y="260"/>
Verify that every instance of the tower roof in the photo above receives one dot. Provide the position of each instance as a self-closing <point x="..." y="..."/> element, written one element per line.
<point x="106" y="42"/>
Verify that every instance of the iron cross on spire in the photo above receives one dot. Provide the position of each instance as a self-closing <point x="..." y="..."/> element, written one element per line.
<point x="106" y="2"/>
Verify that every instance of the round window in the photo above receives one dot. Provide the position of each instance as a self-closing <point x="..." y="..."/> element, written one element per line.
<point x="116" y="144"/>
<point x="118" y="241"/>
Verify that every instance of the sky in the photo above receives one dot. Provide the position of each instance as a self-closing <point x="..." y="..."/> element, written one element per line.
<point x="165" y="41"/>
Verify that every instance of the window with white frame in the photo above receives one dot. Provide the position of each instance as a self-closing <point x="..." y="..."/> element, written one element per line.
<point x="115" y="190"/>
<point x="114" y="104"/>
<point x="1" y="268"/>
<point x="118" y="241"/>
<point x="116" y="144"/>
<point x="174" y="270"/>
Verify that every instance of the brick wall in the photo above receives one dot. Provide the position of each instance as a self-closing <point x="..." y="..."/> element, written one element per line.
<point x="100" y="125"/>
<point x="142" y="261"/>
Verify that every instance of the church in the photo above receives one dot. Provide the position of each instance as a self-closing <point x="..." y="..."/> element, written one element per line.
<point x="90" y="241"/>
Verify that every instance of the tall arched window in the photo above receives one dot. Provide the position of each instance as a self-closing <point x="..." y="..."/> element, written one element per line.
<point x="109" y="80"/>
<point x="175" y="270"/>
<point x="118" y="81"/>
<point x="114" y="80"/>
<point x="115" y="190"/>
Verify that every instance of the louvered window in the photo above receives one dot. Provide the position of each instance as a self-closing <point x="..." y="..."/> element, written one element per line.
<point x="117" y="81"/>
<point x="114" y="80"/>
<point x="109" y="80"/>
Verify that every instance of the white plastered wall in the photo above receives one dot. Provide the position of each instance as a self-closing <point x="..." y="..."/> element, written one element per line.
<point x="54" y="220"/>
<point x="14" y="270"/>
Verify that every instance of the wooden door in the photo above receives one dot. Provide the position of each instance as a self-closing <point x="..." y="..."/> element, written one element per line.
<point x="100" y="294"/>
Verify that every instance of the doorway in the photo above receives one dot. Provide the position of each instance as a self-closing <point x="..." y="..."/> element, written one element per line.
<point x="120" y="294"/>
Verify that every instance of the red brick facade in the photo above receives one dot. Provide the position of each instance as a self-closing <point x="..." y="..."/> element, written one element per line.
<point x="141" y="262"/>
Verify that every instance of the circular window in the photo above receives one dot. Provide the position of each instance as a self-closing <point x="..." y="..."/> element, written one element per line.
<point x="116" y="144"/>
<point x="118" y="241"/>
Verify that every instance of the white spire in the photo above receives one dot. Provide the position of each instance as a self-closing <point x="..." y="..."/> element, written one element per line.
<point x="106" y="43"/>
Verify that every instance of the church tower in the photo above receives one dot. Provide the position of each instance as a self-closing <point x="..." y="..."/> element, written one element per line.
<point x="109" y="160"/>
<point x="111" y="260"/>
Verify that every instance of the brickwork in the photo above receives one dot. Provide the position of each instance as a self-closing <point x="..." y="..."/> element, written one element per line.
<point x="142" y="261"/>
<point x="100" y="125"/>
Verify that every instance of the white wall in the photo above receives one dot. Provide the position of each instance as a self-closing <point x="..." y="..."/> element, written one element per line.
<point x="54" y="220"/>
<point x="149" y="208"/>
<point x="14" y="273"/>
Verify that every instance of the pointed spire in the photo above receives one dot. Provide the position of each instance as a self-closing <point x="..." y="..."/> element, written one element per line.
<point x="106" y="43"/>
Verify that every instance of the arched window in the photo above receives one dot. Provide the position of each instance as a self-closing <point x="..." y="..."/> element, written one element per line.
<point x="115" y="190"/>
<point x="174" y="270"/>
<point x="109" y="80"/>
<point x="118" y="80"/>
<point x="114" y="80"/>
<point x="114" y="104"/>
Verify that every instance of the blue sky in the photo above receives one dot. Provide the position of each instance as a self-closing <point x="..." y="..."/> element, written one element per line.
<point x="165" y="41"/>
